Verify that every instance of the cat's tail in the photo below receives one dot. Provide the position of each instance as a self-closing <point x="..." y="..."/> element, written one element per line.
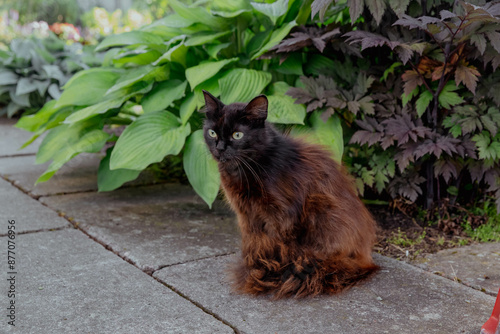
<point x="304" y="277"/>
<point x="329" y="276"/>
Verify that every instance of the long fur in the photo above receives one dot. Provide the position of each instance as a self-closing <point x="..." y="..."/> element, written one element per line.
<point x="304" y="231"/>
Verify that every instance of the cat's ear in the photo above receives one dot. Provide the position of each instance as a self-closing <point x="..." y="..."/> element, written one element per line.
<point x="257" y="108"/>
<point x="213" y="105"/>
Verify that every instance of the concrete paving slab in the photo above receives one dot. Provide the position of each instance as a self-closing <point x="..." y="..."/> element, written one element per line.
<point x="476" y="265"/>
<point x="399" y="299"/>
<point x="153" y="226"/>
<point x="13" y="138"/>
<point x="78" y="175"/>
<point x="67" y="283"/>
<point x="29" y="214"/>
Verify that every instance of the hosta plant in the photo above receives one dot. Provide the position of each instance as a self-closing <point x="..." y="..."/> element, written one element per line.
<point x="151" y="83"/>
<point x="32" y="71"/>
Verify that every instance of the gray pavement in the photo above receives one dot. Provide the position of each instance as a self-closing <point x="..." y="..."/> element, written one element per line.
<point x="152" y="259"/>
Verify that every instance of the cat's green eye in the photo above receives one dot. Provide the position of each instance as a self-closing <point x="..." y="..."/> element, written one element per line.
<point x="212" y="133"/>
<point x="238" y="135"/>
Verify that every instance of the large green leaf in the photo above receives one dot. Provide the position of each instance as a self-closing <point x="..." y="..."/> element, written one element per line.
<point x="272" y="10"/>
<point x="198" y="15"/>
<point x="108" y="179"/>
<point x="139" y="57"/>
<point x="85" y="141"/>
<point x="175" y="54"/>
<point x="201" y="169"/>
<point x="129" y="38"/>
<point x="163" y="95"/>
<point x="87" y="88"/>
<point x="203" y="38"/>
<point x="211" y="85"/>
<point x="122" y="95"/>
<point x="197" y="74"/>
<point x="8" y="77"/>
<point x="143" y="73"/>
<point x="149" y="139"/>
<point x="33" y="122"/>
<point x="187" y="108"/>
<point x="282" y="108"/>
<point x="276" y="37"/>
<point x="328" y="134"/>
<point x="25" y="85"/>
<point x="292" y="65"/>
<point x="241" y="85"/>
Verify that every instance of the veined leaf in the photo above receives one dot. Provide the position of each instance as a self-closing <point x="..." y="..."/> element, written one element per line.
<point x="468" y="75"/>
<point x="423" y="102"/>
<point x="328" y="134"/>
<point x="201" y="169"/>
<point x="61" y="136"/>
<point x="187" y="108"/>
<point x="33" y="122"/>
<point x="25" y="85"/>
<point x="276" y="37"/>
<point x="87" y="88"/>
<point x="149" y="139"/>
<point x="487" y="148"/>
<point x="143" y="73"/>
<point x="204" y="38"/>
<point x="197" y="74"/>
<point x="8" y="77"/>
<point x="448" y="98"/>
<point x="100" y="108"/>
<point x="283" y="110"/>
<point x="163" y="95"/>
<point x="272" y="10"/>
<point x="241" y="85"/>
<point x="175" y="54"/>
<point x="129" y="38"/>
<point x="198" y="14"/>
<point x="140" y="57"/>
<point x="377" y="8"/>
<point x="108" y="179"/>
<point x="86" y="141"/>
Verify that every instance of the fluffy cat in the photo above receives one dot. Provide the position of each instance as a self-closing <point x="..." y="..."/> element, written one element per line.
<point x="304" y="230"/>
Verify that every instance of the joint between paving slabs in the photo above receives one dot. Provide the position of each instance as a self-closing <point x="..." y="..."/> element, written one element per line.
<point x="148" y="271"/>
<point x="236" y="330"/>
<point x="17" y="155"/>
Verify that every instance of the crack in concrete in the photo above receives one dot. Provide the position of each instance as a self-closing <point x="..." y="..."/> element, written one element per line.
<point x="193" y="260"/>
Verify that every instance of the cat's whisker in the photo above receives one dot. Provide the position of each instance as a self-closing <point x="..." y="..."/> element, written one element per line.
<point x="243" y="172"/>
<point x="258" y="165"/>
<point x="256" y="176"/>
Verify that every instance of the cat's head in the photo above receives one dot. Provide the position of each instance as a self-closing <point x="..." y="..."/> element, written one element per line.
<point x="235" y="131"/>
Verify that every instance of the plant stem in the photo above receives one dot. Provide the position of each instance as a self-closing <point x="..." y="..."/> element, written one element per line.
<point x="430" y="185"/>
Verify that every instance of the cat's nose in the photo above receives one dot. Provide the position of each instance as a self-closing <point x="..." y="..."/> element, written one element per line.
<point x="221" y="146"/>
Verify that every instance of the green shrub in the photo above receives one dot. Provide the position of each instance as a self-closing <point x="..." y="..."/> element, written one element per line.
<point x="152" y="81"/>
<point x="33" y="71"/>
<point x="421" y="106"/>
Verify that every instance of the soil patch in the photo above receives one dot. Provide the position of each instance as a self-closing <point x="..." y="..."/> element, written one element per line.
<point x="405" y="238"/>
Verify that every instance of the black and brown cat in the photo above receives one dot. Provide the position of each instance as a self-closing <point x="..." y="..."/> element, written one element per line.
<point x="304" y="230"/>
